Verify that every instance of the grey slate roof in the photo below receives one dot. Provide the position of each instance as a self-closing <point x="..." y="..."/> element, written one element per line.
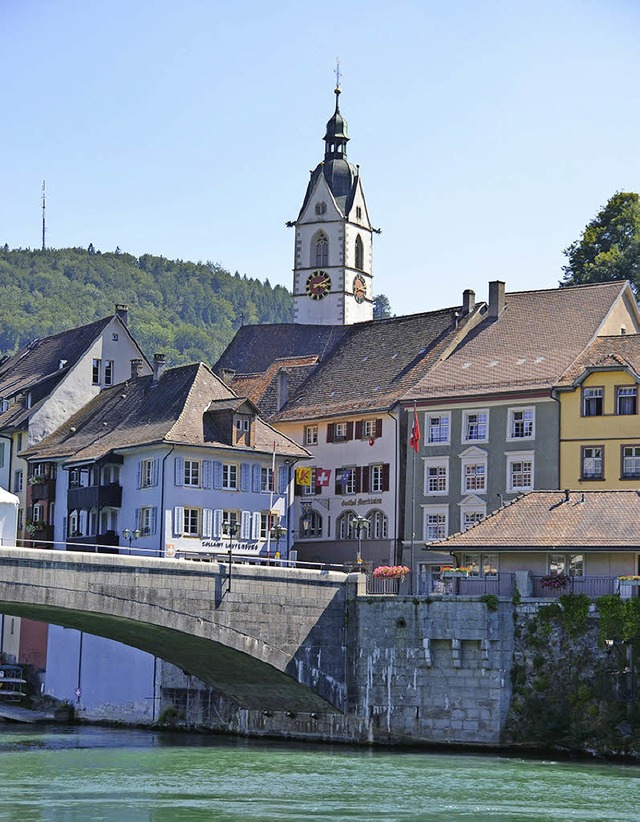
<point x="538" y="335"/>
<point x="36" y="366"/>
<point x="538" y="520"/>
<point x="255" y="347"/>
<point x="139" y="412"/>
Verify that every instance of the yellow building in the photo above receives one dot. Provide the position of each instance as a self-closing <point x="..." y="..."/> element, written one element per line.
<point x="599" y="421"/>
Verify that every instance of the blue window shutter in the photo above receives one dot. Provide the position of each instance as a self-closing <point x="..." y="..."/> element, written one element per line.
<point x="154" y="520"/>
<point x="284" y="478"/>
<point x="245" y="477"/>
<point x="139" y="473"/>
<point x="178" y="465"/>
<point x="245" y="525"/>
<point x="155" y="471"/>
<point x="217" y="475"/>
<point x="207" y="523"/>
<point x="207" y="473"/>
<point x="255" y="477"/>
<point x="217" y="523"/>
<point x="137" y="518"/>
<point x="178" y="521"/>
<point x="64" y="527"/>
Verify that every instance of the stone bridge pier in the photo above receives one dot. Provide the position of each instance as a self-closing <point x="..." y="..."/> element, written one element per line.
<point x="277" y="640"/>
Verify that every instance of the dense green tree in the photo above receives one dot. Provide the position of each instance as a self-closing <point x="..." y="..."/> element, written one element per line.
<point x="189" y="311"/>
<point x="609" y="248"/>
<point x="381" y="307"/>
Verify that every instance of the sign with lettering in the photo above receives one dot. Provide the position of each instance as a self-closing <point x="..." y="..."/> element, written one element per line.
<point x="349" y="503"/>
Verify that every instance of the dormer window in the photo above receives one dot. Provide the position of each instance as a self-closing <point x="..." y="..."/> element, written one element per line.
<point x="242" y="425"/>
<point x="4" y="406"/>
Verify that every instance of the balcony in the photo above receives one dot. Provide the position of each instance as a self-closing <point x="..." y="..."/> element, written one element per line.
<point x="94" y="496"/>
<point x="502" y="585"/>
<point x="45" y="490"/>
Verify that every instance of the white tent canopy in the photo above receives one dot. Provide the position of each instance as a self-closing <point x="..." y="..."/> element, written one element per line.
<point x="8" y="518"/>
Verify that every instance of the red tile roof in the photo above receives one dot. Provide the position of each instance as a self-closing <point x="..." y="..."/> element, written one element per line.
<point x="593" y="520"/>
<point x="535" y="339"/>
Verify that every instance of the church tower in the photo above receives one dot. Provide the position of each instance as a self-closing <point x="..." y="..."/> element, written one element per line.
<point x="332" y="279"/>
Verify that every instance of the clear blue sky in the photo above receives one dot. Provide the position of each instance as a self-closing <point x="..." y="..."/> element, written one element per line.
<point x="488" y="133"/>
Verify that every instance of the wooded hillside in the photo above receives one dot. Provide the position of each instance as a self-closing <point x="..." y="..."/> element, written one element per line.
<point x="189" y="311"/>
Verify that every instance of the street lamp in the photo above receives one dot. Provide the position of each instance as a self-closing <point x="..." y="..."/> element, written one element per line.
<point x="359" y="524"/>
<point x="130" y="535"/>
<point x="230" y="528"/>
<point x="277" y="532"/>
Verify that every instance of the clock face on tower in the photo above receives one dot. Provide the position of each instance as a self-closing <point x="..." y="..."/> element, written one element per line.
<point x="359" y="289"/>
<point x="318" y="285"/>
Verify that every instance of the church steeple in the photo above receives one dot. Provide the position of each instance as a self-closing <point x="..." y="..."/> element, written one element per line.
<point x="332" y="277"/>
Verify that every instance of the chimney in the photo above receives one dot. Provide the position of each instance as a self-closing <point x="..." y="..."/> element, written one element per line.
<point x="159" y="363"/>
<point x="468" y="301"/>
<point x="227" y="375"/>
<point x="136" y="368"/>
<point x="122" y="311"/>
<point x="496" y="299"/>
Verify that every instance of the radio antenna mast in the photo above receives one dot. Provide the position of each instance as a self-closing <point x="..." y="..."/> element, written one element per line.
<point x="44" y="213"/>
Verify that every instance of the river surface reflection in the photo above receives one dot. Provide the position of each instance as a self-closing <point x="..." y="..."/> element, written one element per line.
<point x="86" y="773"/>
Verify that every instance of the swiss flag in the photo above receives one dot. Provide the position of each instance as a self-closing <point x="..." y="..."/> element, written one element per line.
<point x="323" y="475"/>
<point x="414" y="441"/>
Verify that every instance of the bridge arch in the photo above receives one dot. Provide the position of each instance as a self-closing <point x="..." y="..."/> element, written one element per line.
<point x="275" y="641"/>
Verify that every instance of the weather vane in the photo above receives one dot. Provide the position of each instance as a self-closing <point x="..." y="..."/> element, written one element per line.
<point x="338" y="75"/>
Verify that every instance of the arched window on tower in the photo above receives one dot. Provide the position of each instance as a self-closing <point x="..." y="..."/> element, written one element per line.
<point x="359" y="253"/>
<point x="321" y="251"/>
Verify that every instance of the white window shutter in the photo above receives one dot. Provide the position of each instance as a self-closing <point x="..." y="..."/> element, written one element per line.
<point x="217" y="523"/>
<point x="178" y="521"/>
<point x="178" y="465"/>
<point x="207" y="523"/>
<point x="255" y="525"/>
<point x="245" y="525"/>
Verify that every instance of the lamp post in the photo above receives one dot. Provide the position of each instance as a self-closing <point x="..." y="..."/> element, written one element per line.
<point x="230" y="529"/>
<point x="277" y="532"/>
<point x="130" y="535"/>
<point x="359" y="523"/>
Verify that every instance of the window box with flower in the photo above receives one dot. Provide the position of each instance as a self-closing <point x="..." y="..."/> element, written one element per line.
<point x="390" y="572"/>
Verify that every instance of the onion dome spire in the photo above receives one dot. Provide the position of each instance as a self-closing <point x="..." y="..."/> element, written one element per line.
<point x="336" y="137"/>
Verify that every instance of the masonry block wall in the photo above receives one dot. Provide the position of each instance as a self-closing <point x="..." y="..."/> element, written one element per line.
<point x="432" y="671"/>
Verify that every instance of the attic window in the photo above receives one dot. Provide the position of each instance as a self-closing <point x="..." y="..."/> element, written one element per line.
<point x="242" y="425"/>
<point x="358" y="213"/>
<point x="114" y="337"/>
<point x="623" y="330"/>
<point x="321" y="208"/>
<point x="61" y="364"/>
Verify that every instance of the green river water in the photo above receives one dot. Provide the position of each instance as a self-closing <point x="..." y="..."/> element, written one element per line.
<point x="85" y="774"/>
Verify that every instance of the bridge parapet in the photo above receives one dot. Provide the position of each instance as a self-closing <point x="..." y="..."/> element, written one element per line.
<point x="276" y="640"/>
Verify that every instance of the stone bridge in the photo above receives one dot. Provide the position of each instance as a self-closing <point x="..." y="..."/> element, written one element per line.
<point x="276" y="640"/>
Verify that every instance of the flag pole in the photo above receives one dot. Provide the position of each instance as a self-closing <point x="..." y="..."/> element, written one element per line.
<point x="271" y="488"/>
<point x="415" y="445"/>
